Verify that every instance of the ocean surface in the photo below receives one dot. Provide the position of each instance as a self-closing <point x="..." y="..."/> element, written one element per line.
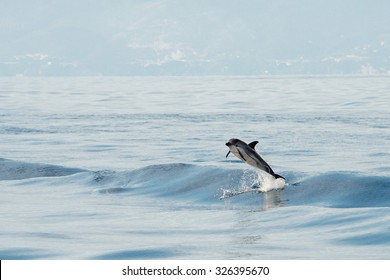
<point x="135" y="168"/>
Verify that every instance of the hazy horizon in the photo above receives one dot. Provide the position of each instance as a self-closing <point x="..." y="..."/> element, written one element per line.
<point x="167" y="37"/>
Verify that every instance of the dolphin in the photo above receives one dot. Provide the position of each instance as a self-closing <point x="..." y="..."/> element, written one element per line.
<point x="246" y="152"/>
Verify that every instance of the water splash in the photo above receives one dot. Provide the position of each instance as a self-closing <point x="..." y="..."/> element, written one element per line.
<point x="267" y="182"/>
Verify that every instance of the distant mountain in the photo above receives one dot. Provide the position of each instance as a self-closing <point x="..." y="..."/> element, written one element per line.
<point x="213" y="37"/>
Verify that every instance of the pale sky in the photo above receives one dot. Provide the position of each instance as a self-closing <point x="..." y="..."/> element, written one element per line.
<point x="172" y="37"/>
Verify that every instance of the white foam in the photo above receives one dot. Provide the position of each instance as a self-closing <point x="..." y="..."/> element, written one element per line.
<point x="267" y="182"/>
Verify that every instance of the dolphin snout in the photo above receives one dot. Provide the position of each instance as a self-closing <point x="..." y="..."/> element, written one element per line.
<point x="228" y="144"/>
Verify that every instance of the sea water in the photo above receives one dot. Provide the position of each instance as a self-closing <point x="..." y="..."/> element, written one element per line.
<point x="135" y="168"/>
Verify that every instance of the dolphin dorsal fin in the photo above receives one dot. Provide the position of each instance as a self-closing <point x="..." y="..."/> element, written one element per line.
<point x="253" y="144"/>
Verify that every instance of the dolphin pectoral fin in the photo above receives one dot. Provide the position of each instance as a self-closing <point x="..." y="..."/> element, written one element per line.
<point x="227" y="154"/>
<point x="253" y="144"/>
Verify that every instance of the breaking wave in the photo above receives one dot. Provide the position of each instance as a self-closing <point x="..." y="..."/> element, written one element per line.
<point x="213" y="185"/>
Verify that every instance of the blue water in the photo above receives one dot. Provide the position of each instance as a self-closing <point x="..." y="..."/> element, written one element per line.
<point x="135" y="168"/>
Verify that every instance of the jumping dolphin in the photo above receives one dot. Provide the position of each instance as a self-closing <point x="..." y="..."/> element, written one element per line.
<point x="246" y="152"/>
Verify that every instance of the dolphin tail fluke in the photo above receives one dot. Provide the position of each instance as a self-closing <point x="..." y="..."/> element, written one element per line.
<point x="278" y="176"/>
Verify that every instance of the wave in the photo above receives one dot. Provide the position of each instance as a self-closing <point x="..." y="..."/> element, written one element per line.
<point x="342" y="190"/>
<point x="212" y="184"/>
<point x="17" y="170"/>
<point x="216" y="185"/>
